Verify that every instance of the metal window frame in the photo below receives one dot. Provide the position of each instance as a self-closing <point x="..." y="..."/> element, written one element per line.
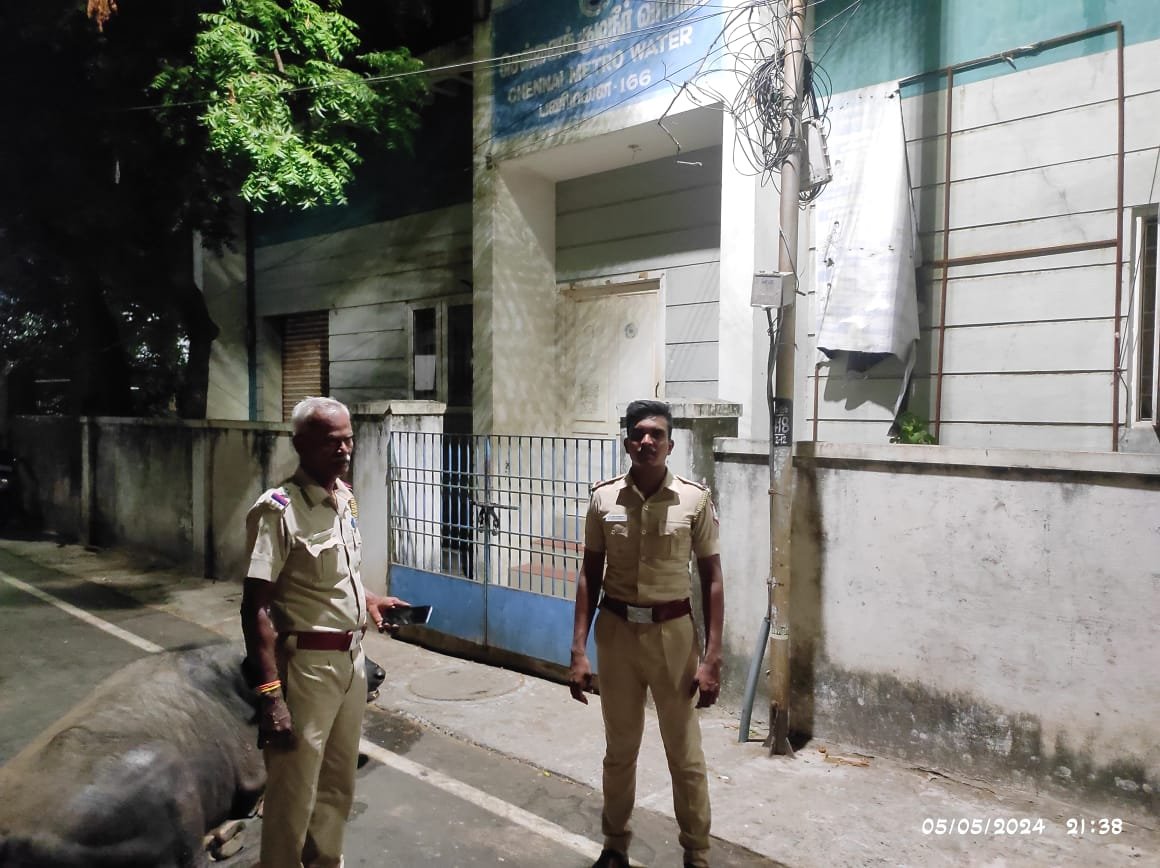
<point x="945" y="263"/>
<point x="440" y="305"/>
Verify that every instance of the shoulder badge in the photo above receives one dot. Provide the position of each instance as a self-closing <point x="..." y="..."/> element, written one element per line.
<point x="346" y="486"/>
<point x="699" y="485"/>
<point x="278" y="498"/>
<point x="605" y="482"/>
<point x="705" y="501"/>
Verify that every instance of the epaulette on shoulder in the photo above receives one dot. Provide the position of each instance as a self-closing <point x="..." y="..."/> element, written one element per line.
<point x="278" y="498"/>
<point x="605" y="482"/>
<point x="699" y="485"/>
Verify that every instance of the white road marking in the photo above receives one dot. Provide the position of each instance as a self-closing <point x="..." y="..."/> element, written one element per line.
<point x="466" y="792"/>
<point x="515" y="815"/>
<point x="99" y="623"/>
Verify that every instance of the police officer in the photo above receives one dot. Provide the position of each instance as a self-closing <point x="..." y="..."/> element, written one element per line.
<point x="304" y="612"/>
<point x="644" y="527"/>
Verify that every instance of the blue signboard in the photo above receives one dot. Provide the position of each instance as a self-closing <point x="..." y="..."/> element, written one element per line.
<point x="567" y="60"/>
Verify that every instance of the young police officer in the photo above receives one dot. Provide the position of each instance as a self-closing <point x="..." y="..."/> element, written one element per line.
<point x="640" y="533"/>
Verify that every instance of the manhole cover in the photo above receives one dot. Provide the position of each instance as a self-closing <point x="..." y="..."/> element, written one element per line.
<point x="459" y="684"/>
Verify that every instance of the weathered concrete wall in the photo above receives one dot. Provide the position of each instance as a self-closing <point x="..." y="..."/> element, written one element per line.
<point x="368" y="277"/>
<point x="242" y="460"/>
<point x="741" y="488"/>
<point x="180" y="489"/>
<point x="143" y="485"/>
<point x="987" y="611"/>
<point x="49" y="462"/>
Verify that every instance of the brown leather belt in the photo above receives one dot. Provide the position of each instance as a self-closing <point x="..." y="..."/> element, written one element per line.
<point x="314" y="640"/>
<point x="654" y="614"/>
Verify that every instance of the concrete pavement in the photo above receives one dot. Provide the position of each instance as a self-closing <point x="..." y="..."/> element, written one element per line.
<point x="836" y="807"/>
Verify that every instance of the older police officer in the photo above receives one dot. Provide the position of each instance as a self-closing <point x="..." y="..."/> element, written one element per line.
<point x="304" y="612"/>
<point x="645" y="527"/>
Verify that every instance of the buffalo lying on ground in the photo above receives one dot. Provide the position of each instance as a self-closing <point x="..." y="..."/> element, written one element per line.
<point x="135" y="774"/>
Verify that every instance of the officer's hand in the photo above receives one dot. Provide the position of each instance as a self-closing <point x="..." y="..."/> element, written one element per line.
<point x="377" y="607"/>
<point x="274" y="726"/>
<point x="708" y="681"/>
<point x="580" y="677"/>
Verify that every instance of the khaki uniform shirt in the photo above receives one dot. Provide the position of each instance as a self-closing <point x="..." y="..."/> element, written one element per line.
<point x="648" y="542"/>
<point x="308" y="543"/>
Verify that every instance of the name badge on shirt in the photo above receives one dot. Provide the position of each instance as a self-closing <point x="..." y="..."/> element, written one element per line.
<point x="320" y="537"/>
<point x="616" y="518"/>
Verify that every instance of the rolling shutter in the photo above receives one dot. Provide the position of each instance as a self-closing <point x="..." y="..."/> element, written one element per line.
<point x="305" y="358"/>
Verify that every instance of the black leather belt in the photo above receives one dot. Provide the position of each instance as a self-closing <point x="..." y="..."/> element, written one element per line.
<point x="654" y="614"/>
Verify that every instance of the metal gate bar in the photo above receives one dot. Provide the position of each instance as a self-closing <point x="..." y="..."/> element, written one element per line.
<point x="490" y="529"/>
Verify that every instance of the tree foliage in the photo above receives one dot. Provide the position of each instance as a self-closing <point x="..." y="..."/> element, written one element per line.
<point x="123" y="142"/>
<point x="284" y="95"/>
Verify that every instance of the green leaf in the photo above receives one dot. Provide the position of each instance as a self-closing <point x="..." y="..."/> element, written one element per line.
<point x="284" y="92"/>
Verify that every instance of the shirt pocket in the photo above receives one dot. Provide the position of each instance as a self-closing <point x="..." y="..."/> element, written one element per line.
<point x="672" y="541"/>
<point x="617" y="537"/>
<point x="322" y="555"/>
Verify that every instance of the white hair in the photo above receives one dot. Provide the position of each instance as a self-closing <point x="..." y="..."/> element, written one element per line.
<point x="306" y="409"/>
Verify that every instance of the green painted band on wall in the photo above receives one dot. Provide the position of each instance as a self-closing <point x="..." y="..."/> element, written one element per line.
<point x="863" y="42"/>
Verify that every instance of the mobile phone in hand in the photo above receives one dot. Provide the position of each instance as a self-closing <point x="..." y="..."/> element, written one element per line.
<point x="404" y="616"/>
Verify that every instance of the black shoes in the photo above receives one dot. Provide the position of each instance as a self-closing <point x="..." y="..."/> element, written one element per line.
<point x="611" y="859"/>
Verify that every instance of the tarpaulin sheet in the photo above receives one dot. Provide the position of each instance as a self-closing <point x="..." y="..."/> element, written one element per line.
<point x="864" y="223"/>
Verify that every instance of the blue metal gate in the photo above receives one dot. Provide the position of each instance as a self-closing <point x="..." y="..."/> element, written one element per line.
<point x="489" y="530"/>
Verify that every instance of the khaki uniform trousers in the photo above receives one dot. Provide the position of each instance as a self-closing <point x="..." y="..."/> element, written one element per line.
<point x="661" y="658"/>
<point x="310" y="789"/>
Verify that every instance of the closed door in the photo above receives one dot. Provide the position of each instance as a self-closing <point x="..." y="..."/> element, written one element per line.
<point x="614" y="343"/>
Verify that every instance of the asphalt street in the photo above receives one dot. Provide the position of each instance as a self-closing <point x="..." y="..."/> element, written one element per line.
<point x="423" y="798"/>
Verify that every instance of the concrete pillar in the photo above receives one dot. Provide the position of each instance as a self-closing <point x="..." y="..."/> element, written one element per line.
<point x="373" y="424"/>
<point x="201" y="458"/>
<point x="518" y="375"/>
<point x="695" y="425"/>
<point x="740" y="359"/>
<point x="221" y="277"/>
<point x="88" y="480"/>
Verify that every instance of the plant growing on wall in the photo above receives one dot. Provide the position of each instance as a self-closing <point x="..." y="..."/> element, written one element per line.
<point x="911" y="428"/>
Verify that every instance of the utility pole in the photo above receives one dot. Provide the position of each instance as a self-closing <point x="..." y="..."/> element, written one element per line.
<point x="781" y="433"/>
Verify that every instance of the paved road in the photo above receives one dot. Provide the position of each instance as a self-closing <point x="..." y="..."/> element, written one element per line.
<point x="423" y="798"/>
<point x="49" y="658"/>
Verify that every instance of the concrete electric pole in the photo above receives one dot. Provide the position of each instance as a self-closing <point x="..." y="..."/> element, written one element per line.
<point x="781" y="433"/>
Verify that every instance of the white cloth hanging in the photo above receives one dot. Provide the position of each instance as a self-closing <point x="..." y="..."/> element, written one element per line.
<point x="867" y="299"/>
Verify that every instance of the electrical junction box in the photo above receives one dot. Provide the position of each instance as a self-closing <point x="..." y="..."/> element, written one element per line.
<point x="773" y="289"/>
<point x="818" y="157"/>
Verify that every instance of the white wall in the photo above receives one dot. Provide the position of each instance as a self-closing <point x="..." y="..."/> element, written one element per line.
<point x="656" y="216"/>
<point x="366" y="277"/>
<point x="1029" y="341"/>
<point x="991" y="611"/>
